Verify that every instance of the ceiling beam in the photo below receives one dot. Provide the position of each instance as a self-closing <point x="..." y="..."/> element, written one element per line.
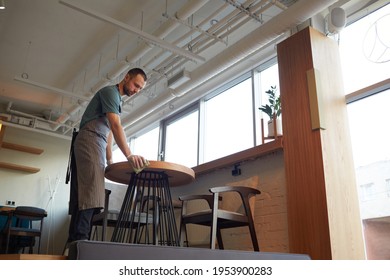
<point x="52" y="89"/>
<point x="144" y="36"/>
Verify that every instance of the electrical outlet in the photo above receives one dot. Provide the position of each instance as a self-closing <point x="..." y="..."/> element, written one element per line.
<point x="10" y="203"/>
<point x="236" y="170"/>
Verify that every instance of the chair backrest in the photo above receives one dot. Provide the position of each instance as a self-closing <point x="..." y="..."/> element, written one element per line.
<point x="25" y="216"/>
<point x="245" y="193"/>
<point x="29" y="212"/>
<point x="218" y="217"/>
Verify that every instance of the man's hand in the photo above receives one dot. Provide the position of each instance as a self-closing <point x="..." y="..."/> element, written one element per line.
<point x="138" y="163"/>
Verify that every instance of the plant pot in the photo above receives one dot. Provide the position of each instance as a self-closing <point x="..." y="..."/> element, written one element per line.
<point x="279" y="130"/>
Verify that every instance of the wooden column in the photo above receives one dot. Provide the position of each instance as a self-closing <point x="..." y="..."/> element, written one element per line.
<point x="322" y="200"/>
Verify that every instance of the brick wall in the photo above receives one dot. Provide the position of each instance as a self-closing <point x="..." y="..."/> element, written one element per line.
<point x="270" y="211"/>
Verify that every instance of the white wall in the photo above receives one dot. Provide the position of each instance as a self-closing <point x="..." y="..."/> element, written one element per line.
<point x="33" y="189"/>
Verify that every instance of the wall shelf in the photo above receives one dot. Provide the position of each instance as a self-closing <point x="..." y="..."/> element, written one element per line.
<point x="20" y="148"/>
<point x="249" y="154"/>
<point x="18" y="167"/>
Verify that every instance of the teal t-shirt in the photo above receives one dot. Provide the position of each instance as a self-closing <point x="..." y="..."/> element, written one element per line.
<point x="106" y="100"/>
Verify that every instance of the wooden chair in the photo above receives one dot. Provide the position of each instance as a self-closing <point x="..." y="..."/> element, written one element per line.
<point x="217" y="218"/>
<point x="106" y="218"/>
<point x="23" y="231"/>
<point x="109" y="218"/>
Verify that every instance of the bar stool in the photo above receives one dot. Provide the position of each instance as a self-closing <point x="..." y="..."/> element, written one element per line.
<point x="23" y="230"/>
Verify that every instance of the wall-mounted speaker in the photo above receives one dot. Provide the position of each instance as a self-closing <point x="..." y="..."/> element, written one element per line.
<point x="335" y="20"/>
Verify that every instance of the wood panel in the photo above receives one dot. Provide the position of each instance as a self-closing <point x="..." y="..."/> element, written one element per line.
<point x="318" y="162"/>
<point x="345" y="224"/>
<point x="308" y="230"/>
<point x="31" y="257"/>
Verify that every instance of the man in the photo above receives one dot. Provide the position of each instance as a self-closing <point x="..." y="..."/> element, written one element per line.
<point x="92" y="148"/>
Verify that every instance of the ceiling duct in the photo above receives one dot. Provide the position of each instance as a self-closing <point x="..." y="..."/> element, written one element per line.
<point x="287" y="3"/>
<point x="154" y="40"/>
<point x="275" y="27"/>
<point x="186" y="11"/>
<point x="179" y="79"/>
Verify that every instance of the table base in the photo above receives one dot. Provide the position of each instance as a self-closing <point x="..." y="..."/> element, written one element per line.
<point x="147" y="214"/>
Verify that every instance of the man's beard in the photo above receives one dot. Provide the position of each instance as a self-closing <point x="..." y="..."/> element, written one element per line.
<point x="127" y="91"/>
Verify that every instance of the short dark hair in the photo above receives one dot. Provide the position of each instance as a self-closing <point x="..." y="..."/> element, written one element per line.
<point x="137" y="71"/>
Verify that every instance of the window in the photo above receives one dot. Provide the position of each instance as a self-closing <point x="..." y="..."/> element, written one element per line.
<point x="366" y="66"/>
<point x="228" y="126"/>
<point x="117" y="154"/>
<point x="266" y="76"/>
<point x="146" y="145"/>
<point x="366" y="191"/>
<point x="181" y="139"/>
<point x="387" y="186"/>
<point x="370" y="132"/>
<point x="224" y="122"/>
<point x="364" y="46"/>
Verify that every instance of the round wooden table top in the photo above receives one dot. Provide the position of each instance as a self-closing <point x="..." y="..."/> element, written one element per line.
<point x="178" y="175"/>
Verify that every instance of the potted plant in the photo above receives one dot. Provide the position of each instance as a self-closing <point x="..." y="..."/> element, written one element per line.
<point x="273" y="110"/>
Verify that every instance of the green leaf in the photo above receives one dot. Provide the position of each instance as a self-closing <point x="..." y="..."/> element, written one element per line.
<point x="274" y="107"/>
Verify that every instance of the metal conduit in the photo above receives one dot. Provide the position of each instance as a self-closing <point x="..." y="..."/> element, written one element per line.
<point x="296" y="14"/>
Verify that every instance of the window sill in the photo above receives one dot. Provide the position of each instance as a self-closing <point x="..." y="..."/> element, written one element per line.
<point x="249" y="154"/>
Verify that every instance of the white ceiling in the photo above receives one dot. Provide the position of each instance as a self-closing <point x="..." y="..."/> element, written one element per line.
<point x="54" y="55"/>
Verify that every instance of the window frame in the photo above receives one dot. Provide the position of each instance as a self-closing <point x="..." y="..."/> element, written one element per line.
<point x="171" y="119"/>
<point x="200" y="106"/>
<point x="216" y="92"/>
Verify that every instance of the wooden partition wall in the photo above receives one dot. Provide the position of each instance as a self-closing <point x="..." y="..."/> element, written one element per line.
<point x="322" y="200"/>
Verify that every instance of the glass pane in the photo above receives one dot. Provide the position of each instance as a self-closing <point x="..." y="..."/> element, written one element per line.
<point x="365" y="58"/>
<point x="146" y="145"/>
<point x="117" y="155"/>
<point x="181" y="143"/>
<point x="370" y="132"/>
<point x="370" y="137"/>
<point x="364" y="50"/>
<point x="267" y="78"/>
<point x="229" y="122"/>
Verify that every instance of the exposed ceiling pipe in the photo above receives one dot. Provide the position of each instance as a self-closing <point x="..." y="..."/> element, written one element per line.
<point x="235" y="24"/>
<point x="259" y="8"/>
<point x="60" y="122"/>
<point x="191" y="7"/>
<point x="51" y="89"/>
<point x="262" y="55"/>
<point x="222" y="29"/>
<point x="296" y="14"/>
<point x="37" y="122"/>
<point x="244" y="10"/>
<point x="144" y="36"/>
<point x="67" y="115"/>
<point x="222" y="26"/>
<point x="10" y="124"/>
